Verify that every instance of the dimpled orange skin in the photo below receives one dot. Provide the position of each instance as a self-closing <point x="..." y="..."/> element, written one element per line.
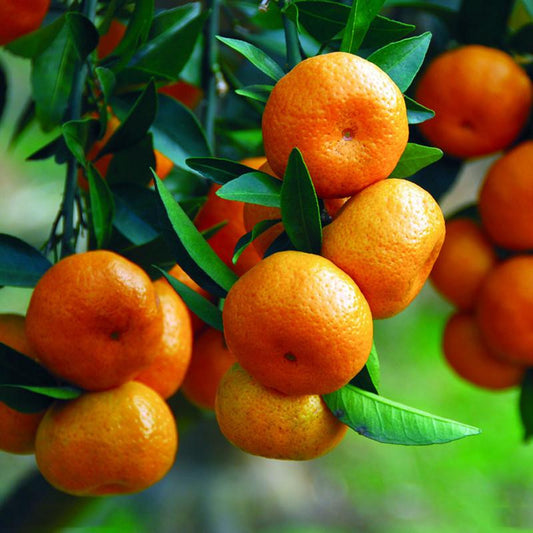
<point x="17" y="430"/>
<point x="347" y="117"/>
<point x="19" y="17"/>
<point x="465" y="258"/>
<point x="117" y="441"/>
<point x="504" y="309"/>
<point x="298" y="324"/>
<point x="265" y="422"/>
<point x="94" y="319"/>
<point x="387" y="238"/>
<point x="506" y="199"/>
<point x="173" y="355"/>
<point x="217" y="210"/>
<point x="481" y="98"/>
<point x="469" y="355"/>
<point x="210" y="361"/>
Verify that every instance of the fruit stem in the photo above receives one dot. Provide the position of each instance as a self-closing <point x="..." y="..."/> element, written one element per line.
<point x="292" y="44"/>
<point x="210" y="68"/>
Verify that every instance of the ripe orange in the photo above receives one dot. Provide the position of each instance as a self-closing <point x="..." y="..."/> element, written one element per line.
<point x="347" y="117"/>
<point x="505" y="309"/>
<point x="17" y="18"/>
<point x="173" y="355"/>
<point x="117" y="441"/>
<point x="254" y="162"/>
<point x="466" y="257"/>
<point x="217" y="210"/>
<point x="110" y="40"/>
<point x="17" y="430"/>
<point x="471" y="357"/>
<point x="387" y="238"/>
<point x="177" y="272"/>
<point x="94" y="319"/>
<point x="481" y="98"/>
<point x="506" y="199"/>
<point x="265" y="422"/>
<point x="210" y="361"/>
<point x="298" y="324"/>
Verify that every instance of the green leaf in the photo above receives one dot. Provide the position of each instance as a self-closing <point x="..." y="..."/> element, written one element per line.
<point x="402" y="60"/>
<point x="199" y="305"/>
<point x="107" y="81"/>
<point x="76" y="134"/>
<point x="254" y="188"/>
<point x="21" y="265"/>
<point x="102" y="206"/>
<point x="417" y="113"/>
<point x="300" y="211"/>
<point x="191" y="250"/>
<point x="256" y="56"/>
<point x="132" y="164"/>
<point x="521" y="41"/>
<point x="414" y="158"/>
<point x="31" y="45"/>
<point x="83" y="34"/>
<point x="216" y="169"/>
<point x="368" y="378"/>
<point x="362" y="13"/>
<point x="526" y="404"/>
<point x="383" y="31"/>
<point x="146" y="255"/>
<point x="136" y="124"/>
<point x="259" y="93"/>
<point x="249" y="237"/>
<point x="389" y="422"/>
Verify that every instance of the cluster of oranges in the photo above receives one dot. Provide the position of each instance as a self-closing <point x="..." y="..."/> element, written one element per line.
<point x="482" y="99"/>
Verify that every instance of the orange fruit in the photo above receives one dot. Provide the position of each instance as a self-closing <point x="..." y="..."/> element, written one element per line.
<point x="188" y="94"/>
<point x="110" y="40"/>
<point x="386" y="238"/>
<point x="210" y="361"/>
<point x="506" y="199"/>
<point x="117" y="441"/>
<point x="466" y="257"/>
<point x="298" y="324"/>
<point x="173" y="355"/>
<point x="471" y="357"/>
<point x="217" y="210"/>
<point x="177" y="272"/>
<point x="265" y="422"/>
<point x="505" y="309"/>
<point x="254" y="162"/>
<point x="347" y="117"/>
<point x="19" y="17"/>
<point x="17" y="430"/>
<point x="94" y="319"/>
<point x="481" y="98"/>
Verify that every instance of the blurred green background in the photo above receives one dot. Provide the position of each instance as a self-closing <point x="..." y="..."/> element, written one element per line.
<point x="482" y="483"/>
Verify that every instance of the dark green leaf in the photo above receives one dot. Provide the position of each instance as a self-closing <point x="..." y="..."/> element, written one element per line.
<point x="102" y="206"/>
<point x="76" y="133"/>
<point x="361" y="15"/>
<point x="526" y="404"/>
<point x="132" y="164"/>
<point x="213" y="230"/>
<point x="521" y="41"/>
<point x="18" y="369"/>
<point x="254" y="188"/>
<point x="417" y="113"/>
<point x="300" y="211"/>
<point x="63" y="392"/>
<point x="150" y="253"/>
<point x="280" y="243"/>
<point x="56" y="148"/>
<point x="83" y="34"/>
<point x="256" y="56"/>
<point x="256" y="92"/>
<point x="21" y="265"/>
<point x="35" y="43"/>
<point x="136" y="124"/>
<point x="368" y="378"/>
<point x="24" y="120"/>
<point x="414" y="158"/>
<point x="34" y="399"/>
<point x="383" y="31"/>
<point x="402" y="60"/>
<point x="191" y="250"/>
<point x="389" y="422"/>
<point x="249" y="237"/>
<point x="217" y="169"/>
<point x="107" y="80"/>
<point x="199" y="305"/>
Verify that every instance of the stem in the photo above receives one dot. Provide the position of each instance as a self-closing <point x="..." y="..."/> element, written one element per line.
<point x="209" y="70"/>
<point x="74" y="113"/>
<point x="291" y="40"/>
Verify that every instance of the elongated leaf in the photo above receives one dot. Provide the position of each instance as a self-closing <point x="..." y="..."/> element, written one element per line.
<point x="102" y="206"/>
<point x="526" y="404"/>
<point x="403" y="59"/>
<point x="383" y="31"/>
<point x="154" y="252"/>
<point x="249" y="237"/>
<point x="417" y="113"/>
<point x="199" y="305"/>
<point x="83" y="34"/>
<point x="361" y="15"/>
<point x="191" y="250"/>
<point x="389" y="422"/>
<point x="368" y="378"/>
<point x="259" y="93"/>
<point x="16" y="368"/>
<point x="132" y="165"/>
<point x="31" y="45"/>
<point x="107" y="80"/>
<point x="253" y="188"/>
<point x="217" y="169"/>
<point x="256" y="56"/>
<point x="76" y="133"/>
<point x="21" y="265"/>
<point x="300" y="211"/>
<point x="414" y="158"/>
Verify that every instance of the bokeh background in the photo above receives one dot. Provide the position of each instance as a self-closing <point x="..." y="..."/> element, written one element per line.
<point x="482" y="483"/>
